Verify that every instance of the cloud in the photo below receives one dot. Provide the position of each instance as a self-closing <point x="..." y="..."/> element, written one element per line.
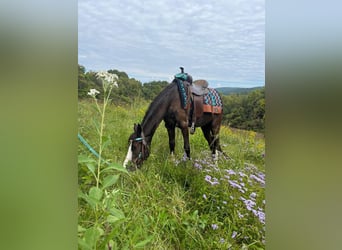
<point x="222" y="40"/>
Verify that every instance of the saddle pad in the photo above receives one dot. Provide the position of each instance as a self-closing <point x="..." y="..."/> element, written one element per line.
<point x="182" y="93"/>
<point x="212" y="102"/>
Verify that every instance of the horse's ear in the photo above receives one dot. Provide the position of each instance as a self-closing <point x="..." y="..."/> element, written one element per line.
<point x="135" y="127"/>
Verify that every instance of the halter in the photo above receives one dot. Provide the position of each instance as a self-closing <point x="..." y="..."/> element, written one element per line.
<point x="142" y="153"/>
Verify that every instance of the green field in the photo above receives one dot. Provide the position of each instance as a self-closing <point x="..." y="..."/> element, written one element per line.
<point x="169" y="203"/>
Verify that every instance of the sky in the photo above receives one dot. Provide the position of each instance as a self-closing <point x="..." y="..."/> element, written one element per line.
<point x="222" y="41"/>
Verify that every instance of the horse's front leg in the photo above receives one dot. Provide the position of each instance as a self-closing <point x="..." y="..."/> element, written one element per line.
<point x="172" y="138"/>
<point x="185" y="133"/>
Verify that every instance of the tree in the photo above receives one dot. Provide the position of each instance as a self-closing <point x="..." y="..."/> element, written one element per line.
<point x="245" y="111"/>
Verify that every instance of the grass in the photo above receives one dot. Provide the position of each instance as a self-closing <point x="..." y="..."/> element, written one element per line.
<point x="172" y="204"/>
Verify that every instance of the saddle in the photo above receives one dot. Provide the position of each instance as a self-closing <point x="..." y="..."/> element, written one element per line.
<point x="198" y="89"/>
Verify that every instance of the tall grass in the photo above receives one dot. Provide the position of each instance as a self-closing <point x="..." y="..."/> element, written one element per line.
<point x="176" y="204"/>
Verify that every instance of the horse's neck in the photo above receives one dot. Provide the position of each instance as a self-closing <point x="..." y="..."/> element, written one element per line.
<point x="150" y="126"/>
<point x="154" y="115"/>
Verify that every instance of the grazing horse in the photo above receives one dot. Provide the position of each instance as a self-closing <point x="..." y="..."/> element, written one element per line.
<point x="175" y="109"/>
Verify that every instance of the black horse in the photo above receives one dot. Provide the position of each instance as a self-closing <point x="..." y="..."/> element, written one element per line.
<point x="168" y="106"/>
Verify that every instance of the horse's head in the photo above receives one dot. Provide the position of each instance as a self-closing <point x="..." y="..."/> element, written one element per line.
<point x="138" y="150"/>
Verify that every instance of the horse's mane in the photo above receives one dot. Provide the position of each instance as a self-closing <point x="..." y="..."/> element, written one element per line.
<point x="157" y="102"/>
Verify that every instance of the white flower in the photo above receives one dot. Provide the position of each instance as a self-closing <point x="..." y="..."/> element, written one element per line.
<point x="93" y="92"/>
<point x="108" y="77"/>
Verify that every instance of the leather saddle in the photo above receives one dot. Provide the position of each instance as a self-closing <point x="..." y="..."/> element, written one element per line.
<point x="199" y="87"/>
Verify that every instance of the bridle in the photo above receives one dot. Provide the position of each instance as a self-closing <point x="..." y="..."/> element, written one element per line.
<point x="143" y="153"/>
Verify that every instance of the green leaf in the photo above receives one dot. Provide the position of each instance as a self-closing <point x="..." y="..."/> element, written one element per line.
<point x="92" y="235"/>
<point x="95" y="193"/>
<point x="112" y="219"/>
<point x="144" y="242"/>
<point x="84" y="245"/>
<point x="91" y="167"/>
<point x="117" y="213"/>
<point x="107" y="140"/>
<point x="90" y="201"/>
<point x="97" y="126"/>
<point x="84" y="159"/>
<point x="115" y="166"/>
<point x="109" y="181"/>
<point x="80" y="228"/>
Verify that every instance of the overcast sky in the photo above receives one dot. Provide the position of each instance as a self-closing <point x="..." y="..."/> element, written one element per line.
<point x="221" y="41"/>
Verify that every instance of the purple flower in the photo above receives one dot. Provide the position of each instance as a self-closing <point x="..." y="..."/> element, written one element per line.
<point x="261" y="176"/>
<point x="234" y="184"/>
<point x="234" y="234"/>
<point x="260" y="215"/>
<point x="208" y="179"/>
<point x="249" y="203"/>
<point x="214" y="226"/>
<point x="254" y="177"/>
<point x="242" y="174"/>
<point x="198" y="166"/>
<point x="222" y="240"/>
<point x="230" y="171"/>
<point x="253" y="195"/>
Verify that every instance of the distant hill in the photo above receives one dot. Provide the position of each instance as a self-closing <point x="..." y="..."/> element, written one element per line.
<point x="236" y="90"/>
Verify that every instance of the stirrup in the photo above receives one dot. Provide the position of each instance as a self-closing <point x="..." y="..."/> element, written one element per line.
<point x="192" y="128"/>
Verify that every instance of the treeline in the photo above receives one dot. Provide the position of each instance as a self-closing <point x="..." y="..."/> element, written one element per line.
<point x="129" y="89"/>
<point x="245" y="111"/>
<point x="242" y="111"/>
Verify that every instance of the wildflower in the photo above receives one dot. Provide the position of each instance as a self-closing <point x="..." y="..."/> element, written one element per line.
<point x="260" y="215"/>
<point x="214" y="226"/>
<point x="261" y="176"/>
<point x="109" y="78"/>
<point x="93" y="92"/>
<point x="234" y="234"/>
<point x="242" y="174"/>
<point x="205" y="197"/>
<point x="198" y="166"/>
<point x="254" y="177"/>
<point x="230" y="171"/>
<point x="222" y="240"/>
<point x="207" y="178"/>
<point x="240" y="215"/>
<point x="234" y="184"/>
<point x="253" y="195"/>
<point x="224" y="202"/>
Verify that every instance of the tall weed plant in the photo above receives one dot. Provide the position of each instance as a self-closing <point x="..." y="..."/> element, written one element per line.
<point x="97" y="205"/>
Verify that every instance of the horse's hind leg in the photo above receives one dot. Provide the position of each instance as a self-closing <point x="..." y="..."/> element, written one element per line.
<point x="208" y="136"/>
